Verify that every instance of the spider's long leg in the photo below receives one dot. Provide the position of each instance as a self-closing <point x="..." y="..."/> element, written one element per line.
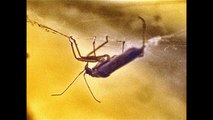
<point x="123" y="46"/>
<point x="59" y="94"/>
<point x="91" y="90"/>
<point x="144" y="30"/>
<point x="94" y="45"/>
<point x="74" y="51"/>
<point x="83" y="59"/>
<point x="76" y="45"/>
<point x="87" y="58"/>
<point x="98" y="47"/>
<point x="123" y="43"/>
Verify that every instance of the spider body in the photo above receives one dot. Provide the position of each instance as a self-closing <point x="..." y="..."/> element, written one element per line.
<point x="106" y="67"/>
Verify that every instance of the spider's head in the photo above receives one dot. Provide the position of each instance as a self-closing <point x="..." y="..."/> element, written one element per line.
<point x="91" y="72"/>
<point x="88" y="70"/>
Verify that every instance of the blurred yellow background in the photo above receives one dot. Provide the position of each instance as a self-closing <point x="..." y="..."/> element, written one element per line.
<point x="152" y="87"/>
